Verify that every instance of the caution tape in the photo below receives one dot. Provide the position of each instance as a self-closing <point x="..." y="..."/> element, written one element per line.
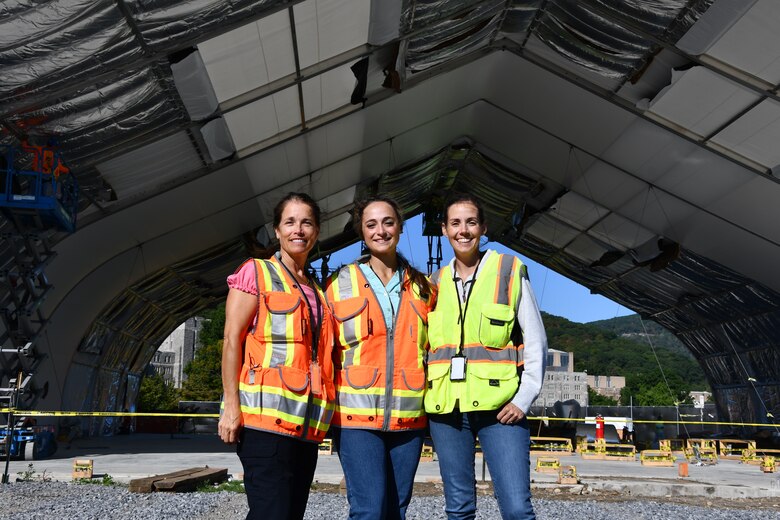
<point x="649" y="421"/>
<point x="37" y="413"/>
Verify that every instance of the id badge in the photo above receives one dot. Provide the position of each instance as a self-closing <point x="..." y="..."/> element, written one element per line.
<point x="457" y="368"/>
<point x="316" y="378"/>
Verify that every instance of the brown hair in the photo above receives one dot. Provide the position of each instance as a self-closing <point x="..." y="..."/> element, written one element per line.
<point x="415" y="276"/>
<point x="297" y="197"/>
<point x="463" y="198"/>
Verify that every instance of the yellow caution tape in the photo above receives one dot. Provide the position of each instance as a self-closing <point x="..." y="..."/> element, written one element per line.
<point x="37" y="413"/>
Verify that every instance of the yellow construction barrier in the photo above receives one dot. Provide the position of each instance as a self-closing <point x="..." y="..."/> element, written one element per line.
<point x="733" y="448"/>
<point x="656" y="458"/>
<point x="676" y="446"/>
<point x="326" y="447"/>
<point x="753" y="455"/>
<point x="701" y="450"/>
<point x="601" y="450"/>
<point x="426" y="455"/>
<point x="548" y="464"/>
<point x="567" y="475"/>
<point x="544" y="445"/>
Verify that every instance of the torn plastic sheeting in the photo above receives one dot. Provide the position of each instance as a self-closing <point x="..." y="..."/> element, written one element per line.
<point x="93" y="103"/>
<point x="658" y="17"/>
<point x="421" y="13"/>
<point x="451" y="28"/>
<point x="723" y="370"/>
<point x="701" y="343"/>
<point x="709" y="276"/>
<point x="435" y="48"/>
<point x="39" y="25"/>
<point x="194" y="86"/>
<point x="757" y="331"/>
<point x="599" y="32"/>
<point x="100" y="110"/>
<point x="520" y="15"/>
<point x="130" y="120"/>
<point x="734" y="404"/>
<point x="558" y="37"/>
<point x="165" y="24"/>
<point x="41" y="67"/>
<point x="764" y="364"/>
<point x="384" y="24"/>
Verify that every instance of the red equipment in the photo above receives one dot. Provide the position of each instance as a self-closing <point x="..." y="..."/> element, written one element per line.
<point x="599" y="427"/>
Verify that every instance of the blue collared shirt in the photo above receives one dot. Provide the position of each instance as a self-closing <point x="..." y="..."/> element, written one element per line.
<point x="389" y="296"/>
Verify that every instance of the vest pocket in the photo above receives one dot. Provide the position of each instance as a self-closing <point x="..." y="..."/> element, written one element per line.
<point x="489" y="385"/>
<point x="361" y="376"/>
<point x="414" y="378"/>
<point x="352" y="316"/>
<point x="294" y="379"/>
<point x="438" y="395"/>
<point x="495" y="324"/>
<point x="285" y="316"/>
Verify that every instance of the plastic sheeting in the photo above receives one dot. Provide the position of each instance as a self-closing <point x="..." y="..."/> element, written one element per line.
<point x="123" y="339"/>
<point x="612" y="38"/>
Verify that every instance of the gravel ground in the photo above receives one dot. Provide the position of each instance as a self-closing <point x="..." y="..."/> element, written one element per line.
<point x="47" y="500"/>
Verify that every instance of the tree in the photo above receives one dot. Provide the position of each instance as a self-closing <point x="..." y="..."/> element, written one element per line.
<point x="596" y="399"/>
<point x="155" y="395"/>
<point x="204" y="374"/>
<point x="213" y="326"/>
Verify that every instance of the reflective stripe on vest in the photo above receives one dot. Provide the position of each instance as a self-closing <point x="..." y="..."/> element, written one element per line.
<point x="492" y="358"/>
<point x="382" y="378"/>
<point x="275" y="381"/>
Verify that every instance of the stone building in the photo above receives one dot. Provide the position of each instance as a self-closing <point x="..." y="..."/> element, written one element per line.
<point x="177" y="350"/>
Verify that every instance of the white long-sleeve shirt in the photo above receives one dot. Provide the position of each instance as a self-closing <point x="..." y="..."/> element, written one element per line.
<point x="534" y="337"/>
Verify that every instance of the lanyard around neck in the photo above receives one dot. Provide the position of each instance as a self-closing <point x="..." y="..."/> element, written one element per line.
<point x="463" y="309"/>
<point x="314" y="325"/>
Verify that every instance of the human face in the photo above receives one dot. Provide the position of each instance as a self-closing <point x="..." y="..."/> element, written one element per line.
<point x="380" y="228"/>
<point x="463" y="229"/>
<point x="297" y="231"/>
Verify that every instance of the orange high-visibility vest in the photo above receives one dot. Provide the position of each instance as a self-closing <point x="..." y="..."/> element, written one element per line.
<point x="381" y="381"/>
<point x="276" y="385"/>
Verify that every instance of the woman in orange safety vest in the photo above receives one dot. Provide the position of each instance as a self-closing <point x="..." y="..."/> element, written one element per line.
<point x="380" y="305"/>
<point x="277" y="367"/>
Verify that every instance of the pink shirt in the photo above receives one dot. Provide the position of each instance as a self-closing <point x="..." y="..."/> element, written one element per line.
<point x="244" y="280"/>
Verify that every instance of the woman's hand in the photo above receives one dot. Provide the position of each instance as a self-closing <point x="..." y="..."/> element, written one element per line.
<point x="510" y="414"/>
<point x="230" y="425"/>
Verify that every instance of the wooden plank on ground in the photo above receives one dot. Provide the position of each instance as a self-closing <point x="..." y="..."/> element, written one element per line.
<point x="191" y="481"/>
<point x="146" y="484"/>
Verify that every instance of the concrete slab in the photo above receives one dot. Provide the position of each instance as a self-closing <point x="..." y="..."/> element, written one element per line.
<point x="126" y="457"/>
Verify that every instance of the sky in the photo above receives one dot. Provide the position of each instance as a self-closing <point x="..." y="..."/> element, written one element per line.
<point x="555" y="293"/>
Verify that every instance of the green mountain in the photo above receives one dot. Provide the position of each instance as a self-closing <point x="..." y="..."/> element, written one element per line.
<point x="600" y="351"/>
<point x="632" y="327"/>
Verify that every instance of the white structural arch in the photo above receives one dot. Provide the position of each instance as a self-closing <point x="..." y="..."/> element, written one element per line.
<point x="628" y="145"/>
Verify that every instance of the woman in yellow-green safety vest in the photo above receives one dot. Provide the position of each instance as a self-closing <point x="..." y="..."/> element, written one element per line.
<point x="486" y="363"/>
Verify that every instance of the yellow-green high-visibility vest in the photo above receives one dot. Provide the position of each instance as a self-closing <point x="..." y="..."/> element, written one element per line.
<point x="485" y="335"/>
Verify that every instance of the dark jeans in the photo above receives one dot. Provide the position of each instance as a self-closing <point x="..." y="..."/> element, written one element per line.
<point x="278" y="471"/>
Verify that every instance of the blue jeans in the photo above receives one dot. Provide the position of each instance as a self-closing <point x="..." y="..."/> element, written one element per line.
<point x="506" y="451"/>
<point x="379" y="468"/>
